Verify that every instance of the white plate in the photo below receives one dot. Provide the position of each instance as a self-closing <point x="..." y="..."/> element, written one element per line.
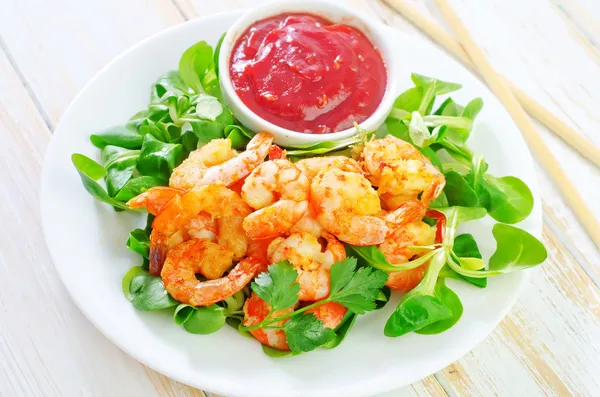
<point x="87" y="242"/>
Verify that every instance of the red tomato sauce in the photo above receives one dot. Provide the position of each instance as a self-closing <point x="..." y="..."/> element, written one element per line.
<point x="307" y="74"/>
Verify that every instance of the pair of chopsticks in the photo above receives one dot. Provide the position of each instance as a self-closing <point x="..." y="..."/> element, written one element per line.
<point x="515" y="101"/>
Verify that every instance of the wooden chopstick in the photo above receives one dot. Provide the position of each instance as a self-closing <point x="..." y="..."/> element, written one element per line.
<point x="543" y="115"/>
<point x="527" y="128"/>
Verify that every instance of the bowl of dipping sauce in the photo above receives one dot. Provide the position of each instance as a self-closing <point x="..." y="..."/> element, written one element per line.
<point x="306" y="71"/>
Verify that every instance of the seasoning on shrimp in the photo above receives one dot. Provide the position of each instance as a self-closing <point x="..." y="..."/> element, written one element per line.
<point x="197" y="256"/>
<point x="279" y="191"/>
<point x="400" y="171"/>
<point x="346" y="205"/>
<point x="192" y="170"/>
<point x="216" y="162"/>
<point x="306" y="254"/>
<point x="313" y="165"/>
<point x="406" y="229"/>
<point x="216" y="200"/>
<point x="154" y="199"/>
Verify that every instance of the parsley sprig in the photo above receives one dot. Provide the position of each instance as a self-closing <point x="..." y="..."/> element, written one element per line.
<point x="356" y="289"/>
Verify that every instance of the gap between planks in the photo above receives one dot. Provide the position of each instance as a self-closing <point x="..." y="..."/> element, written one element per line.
<point x="13" y="64"/>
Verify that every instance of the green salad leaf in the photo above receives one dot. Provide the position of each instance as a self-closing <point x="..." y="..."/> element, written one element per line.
<point x="158" y="159"/>
<point x="139" y="241"/>
<point x="147" y="293"/>
<point x="125" y="136"/>
<point x="89" y="172"/>
<point x="511" y="201"/>
<point x="194" y="64"/>
<point x="200" y="320"/>
<point x="450" y="301"/>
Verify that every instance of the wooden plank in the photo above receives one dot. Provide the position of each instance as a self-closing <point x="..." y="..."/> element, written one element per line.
<point x="550" y="341"/>
<point x="60" y="45"/>
<point x="546" y="353"/>
<point x="47" y="346"/>
<point x="198" y="8"/>
<point x="585" y="17"/>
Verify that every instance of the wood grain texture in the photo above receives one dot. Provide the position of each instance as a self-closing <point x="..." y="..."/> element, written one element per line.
<point x="47" y="347"/>
<point x="548" y="345"/>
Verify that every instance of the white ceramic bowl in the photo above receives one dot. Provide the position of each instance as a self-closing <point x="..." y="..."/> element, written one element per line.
<point x="333" y="12"/>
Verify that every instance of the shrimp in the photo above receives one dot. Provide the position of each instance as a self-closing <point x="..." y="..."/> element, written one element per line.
<point x="280" y="192"/>
<point x="256" y="309"/>
<point x="308" y="223"/>
<point x="258" y="249"/>
<point x="193" y="169"/>
<point x="201" y="256"/>
<point x="313" y="165"/>
<point x="400" y="171"/>
<point x="274" y="180"/>
<point x="331" y="313"/>
<point x="275" y="153"/>
<point x="154" y="199"/>
<point x="216" y="200"/>
<point x="304" y="252"/>
<point x="239" y="167"/>
<point x="346" y="205"/>
<point x="396" y="250"/>
<point x="274" y="220"/>
<point x="203" y="226"/>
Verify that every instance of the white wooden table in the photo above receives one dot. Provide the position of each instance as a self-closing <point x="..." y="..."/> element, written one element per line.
<point x="549" y="345"/>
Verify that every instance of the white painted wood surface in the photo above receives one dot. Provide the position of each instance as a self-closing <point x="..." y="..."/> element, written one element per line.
<point x="549" y="345"/>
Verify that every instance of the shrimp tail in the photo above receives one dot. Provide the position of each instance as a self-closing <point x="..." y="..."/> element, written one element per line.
<point x="154" y="199"/>
<point x="408" y="211"/>
<point x="157" y="254"/>
<point x="274" y="220"/>
<point x="213" y="291"/>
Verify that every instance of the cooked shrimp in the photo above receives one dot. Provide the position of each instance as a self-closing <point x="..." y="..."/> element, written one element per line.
<point x="239" y="167"/>
<point x="400" y="171"/>
<point x="274" y="180"/>
<point x="346" y="205"/>
<point x="396" y="250"/>
<point x="313" y="165"/>
<point x="216" y="200"/>
<point x="274" y="220"/>
<point x="193" y="169"/>
<point x="201" y="256"/>
<point x="154" y="199"/>
<point x="276" y="153"/>
<point x="257" y="249"/>
<point x="255" y="310"/>
<point x="203" y="226"/>
<point x="306" y="254"/>
<point x="405" y="213"/>
<point x="331" y="313"/>
<point x="308" y="223"/>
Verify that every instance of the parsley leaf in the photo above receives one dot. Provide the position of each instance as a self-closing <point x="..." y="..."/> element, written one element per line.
<point x="356" y="289"/>
<point x="306" y="332"/>
<point x="278" y="287"/>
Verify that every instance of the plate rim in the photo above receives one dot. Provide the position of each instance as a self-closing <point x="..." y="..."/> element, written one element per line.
<point x="369" y="387"/>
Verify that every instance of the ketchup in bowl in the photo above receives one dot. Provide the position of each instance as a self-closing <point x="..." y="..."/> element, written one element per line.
<point x="307" y="74"/>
